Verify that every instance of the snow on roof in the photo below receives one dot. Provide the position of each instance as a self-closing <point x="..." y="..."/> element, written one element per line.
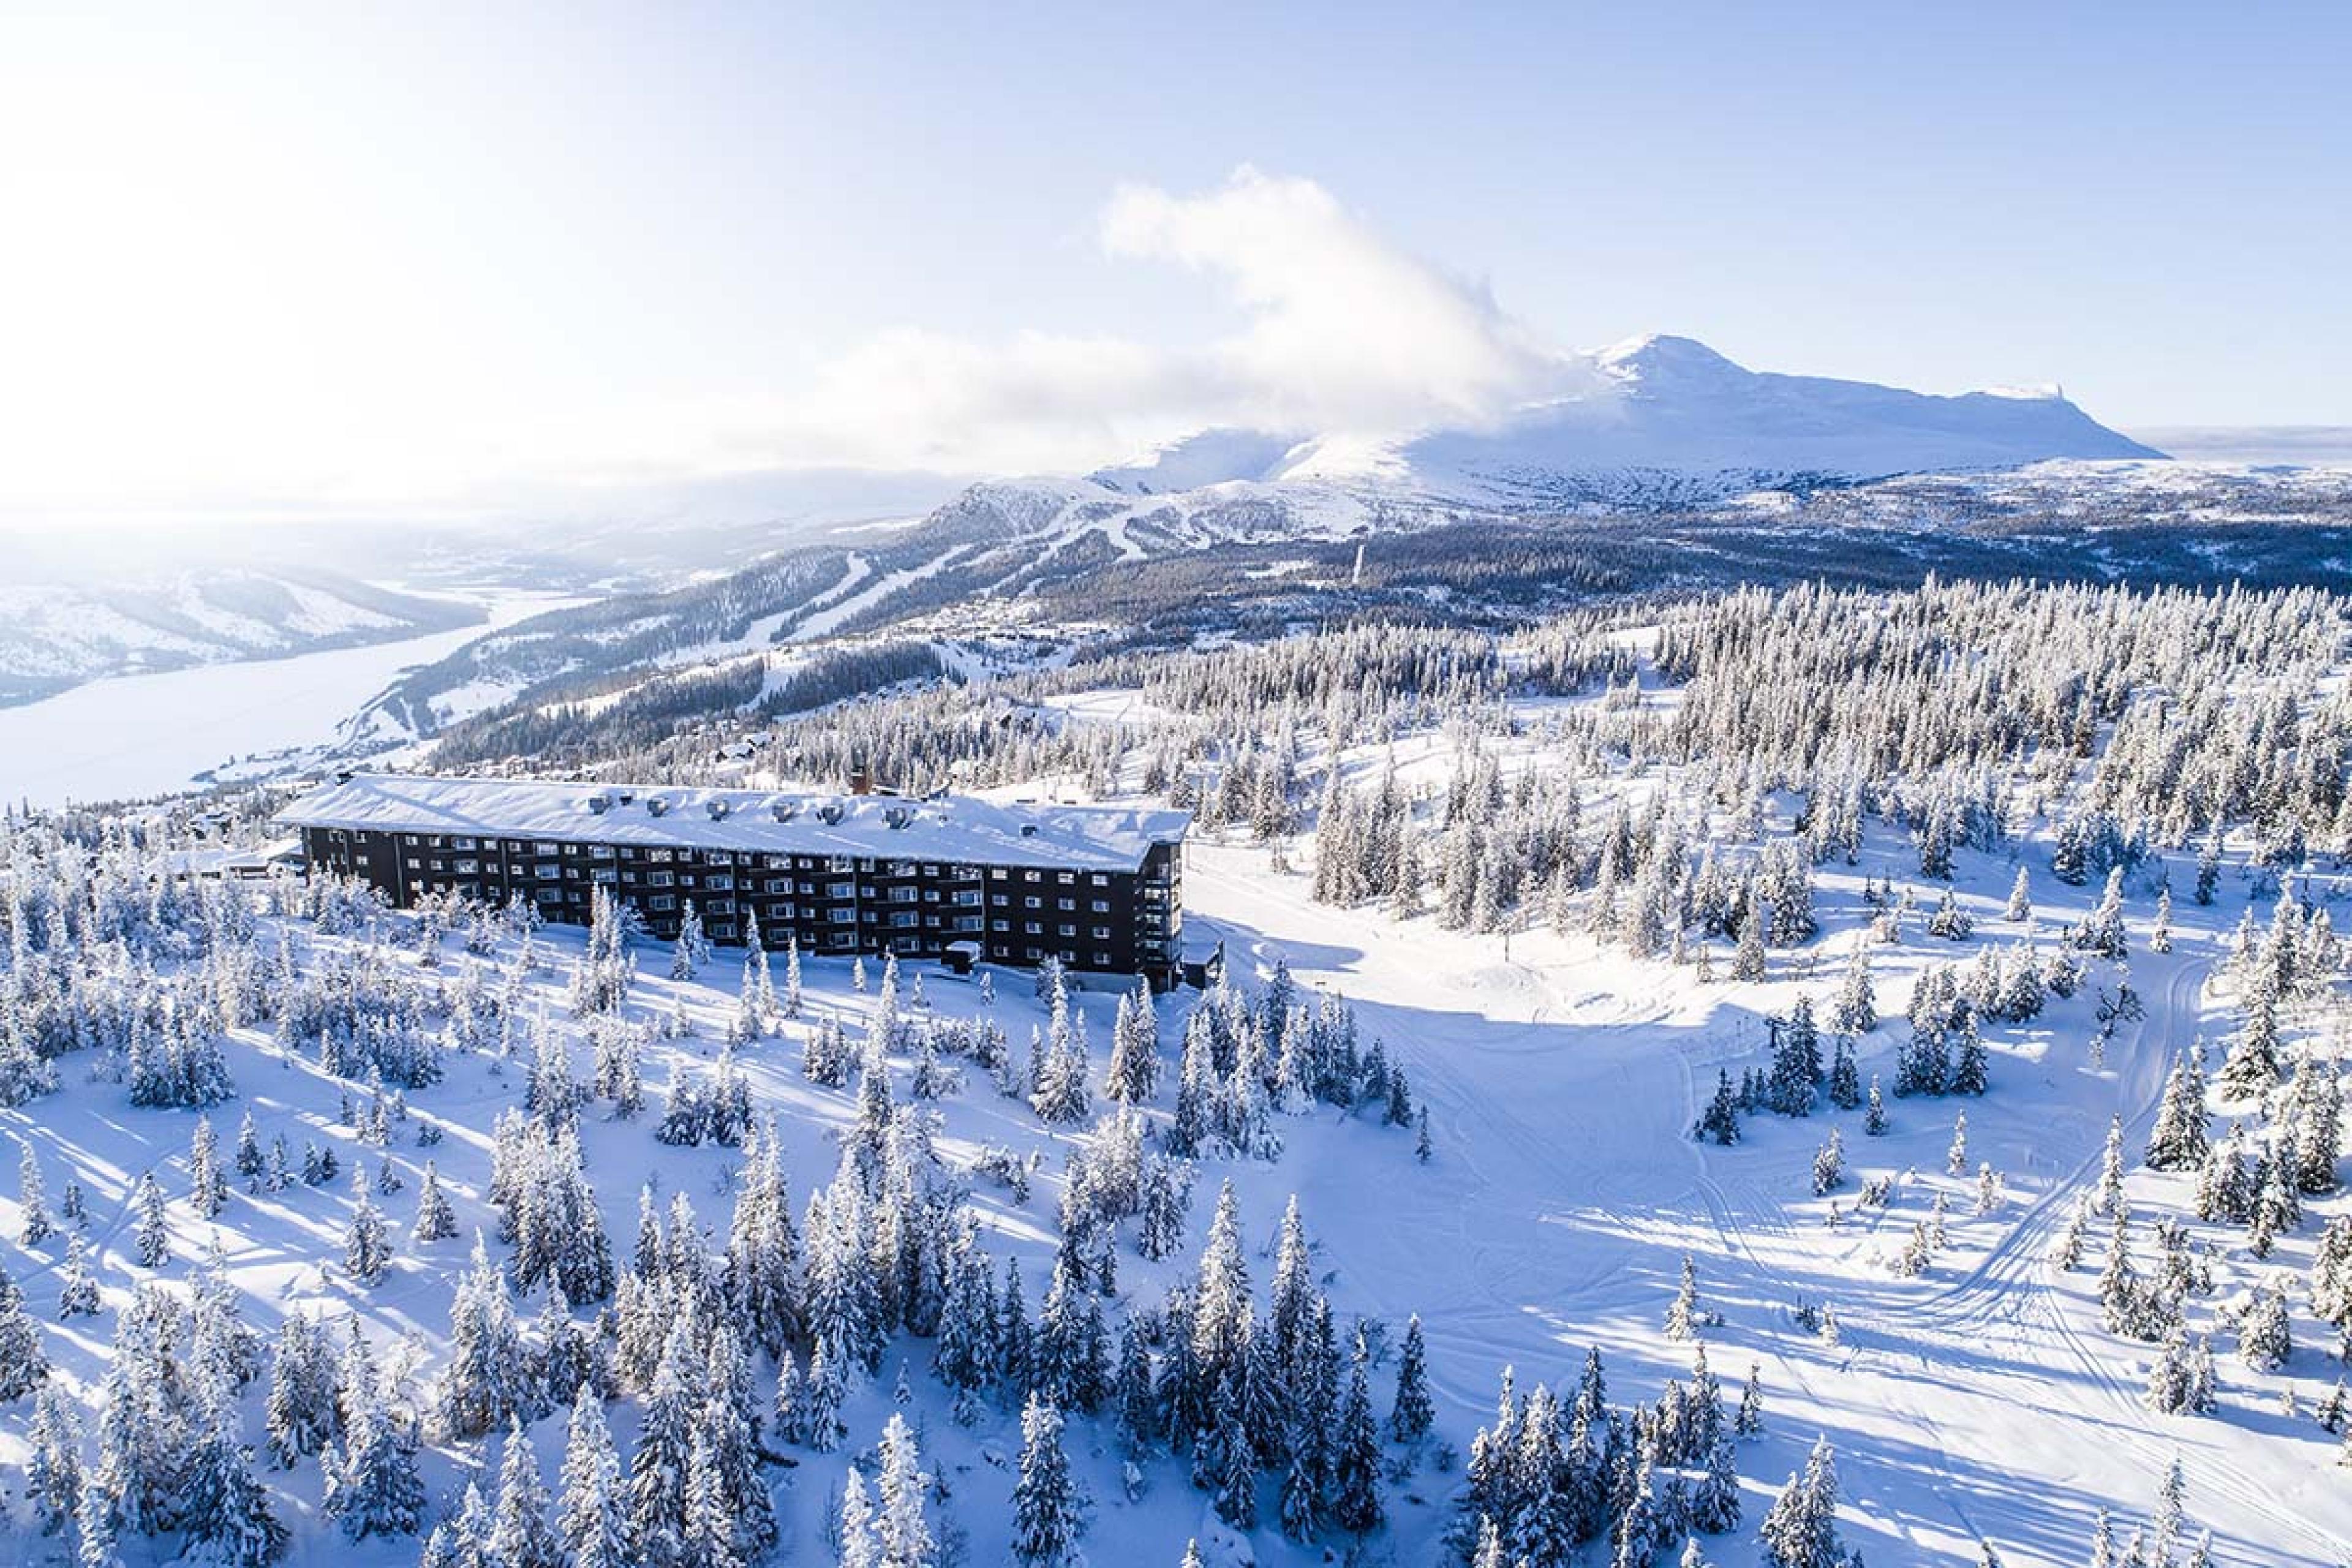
<point x="776" y="822"/>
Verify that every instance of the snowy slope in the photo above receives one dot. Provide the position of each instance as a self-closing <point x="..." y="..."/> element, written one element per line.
<point x="55" y="635"/>
<point x="1660" y="419"/>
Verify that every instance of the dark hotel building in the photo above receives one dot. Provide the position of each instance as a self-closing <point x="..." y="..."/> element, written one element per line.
<point x="1099" y="888"/>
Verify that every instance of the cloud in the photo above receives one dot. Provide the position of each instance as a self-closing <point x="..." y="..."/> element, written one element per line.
<point x="1337" y="330"/>
<point x="215" y="399"/>
<point x="1343" y="329"/>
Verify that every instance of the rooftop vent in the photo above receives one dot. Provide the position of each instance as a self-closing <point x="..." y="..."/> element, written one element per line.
<point x="655" y="806"/>
<point x="718" y="809"/>
<point x="829" y="813"/>
<point x="897" y="817"/>
<point x="785" y="810"/>
<point x="597" y="803"/>
<point x="1028" y="830"/>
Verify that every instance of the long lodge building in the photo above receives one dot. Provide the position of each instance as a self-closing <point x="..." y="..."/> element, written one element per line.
<point x="1098" y="887"/>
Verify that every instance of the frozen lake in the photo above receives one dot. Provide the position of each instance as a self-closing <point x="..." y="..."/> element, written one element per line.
<point x="144" y="734"/>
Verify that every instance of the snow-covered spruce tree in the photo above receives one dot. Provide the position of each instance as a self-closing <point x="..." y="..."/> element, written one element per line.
<point x="78" y="1294"/>
<point x="462" y="1539"/>
<point x="691" y="950"/>
<point x="1133" y="1075"/>
<point x="208" y="1181"/>
<point x="1829" y="1165"/>
<point x="300" y="1416"/>
<point x="1855" y="1011"/>
<point x="2020" y="906"/>
<point x="1748" y="961"/>
<point x="520" y="1535"/>
<point x="154" y="1225"/>
<point x="227" y="1515"/>
<point x="2110" y="1191"/>
<point x="2181" y="1380"/>
<point x="488" y="1378"/>
<point x="1800" y="1530"/>
<point x="736" y="1518"/>
<point x="2101" y="930"/>
<point x="1356" y="1499"/>
<point x="1413" y="1414"/>
<point x="1874" y="1120"/>
<point x="2177" y="1142"/>
<point x="53" y="1466"/>
<point x="367" y="1239"/>
<point x="1048" y="1511"/>
<point x="436" y="1220"/>
<point x="1683" y="1315"/>
<point x="590" y="1521"/>
<point x="34" y="1227"/>
<point x="1720" y="1124"/>
<point x="902" y="1536"/>
<point x="1846" y="1080"/>
<point x="2255" y="1062"/>
<point x="375" y="1489"/>
<point x="2331" y="1272"/>
<point x="2263" y="1339"/>
<point x="659" y="1467"/>
<point x="1714" y="1503"/>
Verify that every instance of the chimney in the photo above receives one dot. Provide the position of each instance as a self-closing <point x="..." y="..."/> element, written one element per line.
<point x="861" y="779"/>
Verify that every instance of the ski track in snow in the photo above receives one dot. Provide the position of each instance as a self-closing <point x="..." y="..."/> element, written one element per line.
<point x="1997" y="1343"/>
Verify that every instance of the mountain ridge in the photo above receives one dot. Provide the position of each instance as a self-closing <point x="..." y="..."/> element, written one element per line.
<point x="1661" y="405"/>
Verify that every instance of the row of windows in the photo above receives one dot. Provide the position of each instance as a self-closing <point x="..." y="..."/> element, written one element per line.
<point x="743" y="857"/>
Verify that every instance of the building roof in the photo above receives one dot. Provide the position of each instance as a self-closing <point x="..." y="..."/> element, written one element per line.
<point x="959" y="828"/>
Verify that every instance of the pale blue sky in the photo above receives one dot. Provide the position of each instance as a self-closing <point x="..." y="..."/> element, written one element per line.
<point x="363" y="257"/>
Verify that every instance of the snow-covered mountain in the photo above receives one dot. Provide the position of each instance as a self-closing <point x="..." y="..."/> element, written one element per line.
<point x="1655" y="419"/>
<point x="58" y="633"/>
